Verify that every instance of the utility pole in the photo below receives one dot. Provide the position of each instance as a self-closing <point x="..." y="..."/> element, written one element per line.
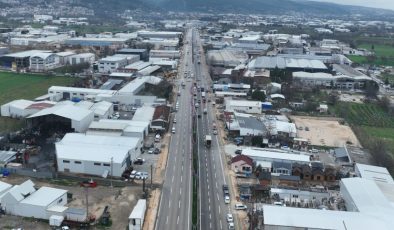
<point x="151" y="176"/>
<point x="111" y="164"/>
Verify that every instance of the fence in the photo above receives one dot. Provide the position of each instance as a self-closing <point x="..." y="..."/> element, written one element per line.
<point x="30" y="173"/>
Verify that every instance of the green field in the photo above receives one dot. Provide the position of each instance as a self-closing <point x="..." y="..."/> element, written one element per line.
<point x="384" y="55"/>
<point x="25" y="86"/>
<point x="365" y="115"/>
<point x="386" y="134"/>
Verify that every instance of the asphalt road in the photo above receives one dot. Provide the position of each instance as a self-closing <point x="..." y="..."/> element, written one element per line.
<point x="213" y="210"/>
<point x="176" y="199"/>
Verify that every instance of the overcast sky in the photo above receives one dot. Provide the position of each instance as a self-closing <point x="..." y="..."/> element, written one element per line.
<point x="384" y="4"/>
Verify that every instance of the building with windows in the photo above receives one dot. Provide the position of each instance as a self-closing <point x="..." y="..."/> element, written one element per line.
<point x="42" y="62"/>
<point x="96" y="154"/>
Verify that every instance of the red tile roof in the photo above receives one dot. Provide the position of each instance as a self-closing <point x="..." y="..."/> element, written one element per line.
<point x="244" y="158"/>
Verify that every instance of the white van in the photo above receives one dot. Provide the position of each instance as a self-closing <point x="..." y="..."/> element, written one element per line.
<point x="240" y="207"/>
<point x="173" y="130"/>
<point x="157" y="138"/>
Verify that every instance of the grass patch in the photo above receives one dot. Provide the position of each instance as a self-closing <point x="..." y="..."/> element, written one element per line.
<point x="384" y="55"/>
<point x="25" y="86"/>
<point x="364" y="115"/>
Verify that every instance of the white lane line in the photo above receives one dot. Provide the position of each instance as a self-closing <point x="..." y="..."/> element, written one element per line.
<point x="221" y="226"/>
<point x="216" y="183"/>
<point x="209" y="207"/>
<point x="219" y="209"/>
<point x="169" y="204"/>
<point x="210" y="225"/>
<point x="181" y="178"/>
<point x="173" y="178"/>
<point x="179" y="204"/>
<point x="215" y="175"/>
<point x="217" y="195"/>
<point x="177" y="220"/>
<point x="180" y="191"/>
<point x="167" y="220"/>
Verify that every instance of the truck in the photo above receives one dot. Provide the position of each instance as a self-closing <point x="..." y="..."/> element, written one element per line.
<point x="208" y="141"/>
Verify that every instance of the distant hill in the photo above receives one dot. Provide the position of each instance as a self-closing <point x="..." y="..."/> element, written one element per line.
<point x="263" y="6"/>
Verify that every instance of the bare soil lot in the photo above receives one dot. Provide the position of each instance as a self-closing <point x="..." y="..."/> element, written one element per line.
<point x="324" y="131"/>
<point x="120" y="200"/>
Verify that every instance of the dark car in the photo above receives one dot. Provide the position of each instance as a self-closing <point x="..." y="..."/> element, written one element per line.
<point x="156" y="151"/>
<point x="238" y="151"/>
<point x="139" y="161"/>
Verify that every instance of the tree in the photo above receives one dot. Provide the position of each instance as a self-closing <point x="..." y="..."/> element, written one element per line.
<point x="371" y="89"/>
<point x="258" y="95"/>
<point x="386" y="81"/>
<point x="372" y="47"/>
<point x="384" y="102"/>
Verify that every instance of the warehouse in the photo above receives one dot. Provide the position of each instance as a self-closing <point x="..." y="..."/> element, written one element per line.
<point x="66" y="117"/>
<point x="251" y="107"/>
<point x="82" y="58"/>
<point x="57" y="93"/>
<point x="109" y="127"/>
<point x="20" y="60"/>
<point x="170" y="54"/>
<point x="24" y="200"/>
<point x="291" y="64"/>
<point x="23" y="108"/>
<point x="159" y="34"/>
<point x="41" y="62"/>
<point x="98" y="42"/>
<point x="111" y="64"/>
<point x="376" y="173"/>
<point x="226" y="58"/>
<point x="143" y="53"/>
<point x="96" y="155"/>
<point x="271" y="155"/>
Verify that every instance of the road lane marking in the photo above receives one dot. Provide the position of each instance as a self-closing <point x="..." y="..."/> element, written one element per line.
<point x="167" y="220"/>
<point x="217" y="195"/>
<point x="180" y="191"/>
<point x="169" y="204"/>
<point x="221" y="226"/>
<point x="177" y="220"/>
<point x="179" y="204"/>
<point x="173" y="178"/>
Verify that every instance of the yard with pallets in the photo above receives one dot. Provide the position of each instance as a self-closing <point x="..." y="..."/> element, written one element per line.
<point x="25" y="86"/>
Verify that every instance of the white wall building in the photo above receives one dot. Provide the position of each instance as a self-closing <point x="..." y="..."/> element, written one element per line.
<point x="252" y="107"/>
<point x="271" y="155"/>
<point x="111" y="64"/>
<point x="23" y="108"/>
<point x="41" y="62"/>
<point x="95" y="154"/>
<point x="25" y="200"/>
<point x="82" y="58"/>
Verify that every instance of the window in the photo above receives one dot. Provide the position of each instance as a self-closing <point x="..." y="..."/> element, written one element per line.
<point x="133" y="221"/>
<point x="77" y="162"/>
<point x="66" y="161"/>
<point x="97" y="164"/>
<point x="250" y="107"/>
<point x="60" y="201"/>
<point x="106" y="165"/>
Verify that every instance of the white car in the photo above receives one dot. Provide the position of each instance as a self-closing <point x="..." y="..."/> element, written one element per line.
<point x="240" y="207"/>
<point x="173" y="130"/>
<point x="215" y="132"/>
<point x="132" y="174"/>
<point x="141" y="175"/>
<point x="174" y="120"/>
<point x="226" y="199"/>
<point x="231" y="226"/>
<point x="230" y="218"/>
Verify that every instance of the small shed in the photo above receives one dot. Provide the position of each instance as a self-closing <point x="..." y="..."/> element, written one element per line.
<point x="136" y="218"/>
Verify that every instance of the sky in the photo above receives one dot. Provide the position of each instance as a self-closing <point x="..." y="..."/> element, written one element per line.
<point x="384" y="4"/>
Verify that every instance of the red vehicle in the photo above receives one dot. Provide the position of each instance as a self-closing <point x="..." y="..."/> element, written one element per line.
<point x="88" y="183"/>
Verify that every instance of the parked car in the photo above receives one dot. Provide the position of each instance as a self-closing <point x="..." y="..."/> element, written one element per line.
<point x="230" y="217"/>
<point x="226" y="199"/>
<point x="215" y="132"/>
<point x="151" y="150"/>
<point x="240" y="206"/>
<point x="139" y="161"/>
<point x="238" y="151"/>
<point x="231" y="226"/>
<point x="156" y="151"/>
<point x="173" y="130"/>
<point x="174" y="120"/>
<point x="141" y="175"/>
<point x="132" y="174"/>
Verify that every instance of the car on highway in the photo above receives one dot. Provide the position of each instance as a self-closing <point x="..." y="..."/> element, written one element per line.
<point x="226" y="191"/>
<point x="141" y="176"/>
<point x="139" y="161"/>
<point x="231" y="226"/>
<point x="230" y="217"/>
<point x="240" y="207"/>
<point x="215" y="132"/>
<point x="174" y="120"/>
<point x="197" y="105"/>
<point x="226" y="199"/>
<point x="173" y="130"/>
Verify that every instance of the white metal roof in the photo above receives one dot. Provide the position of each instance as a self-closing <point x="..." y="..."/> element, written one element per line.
<point x="319" y="219"/>
<point x="44" y="196"/>
<point x="20" y="104"/>
<point x="137" y="83"/>
<point x="243" y="103"/>
<point x="68" y="111"/>
<point x="95" y="148"/>
<point x="257" y="153"/>
<point x="123" y="75"/>
<point x="144" y="113"/>
<point x="107" y="125"/>
<point x="144" y="124"/>
<point x="375" y="173"/>
<point x="80" y="90"/>
<point x="4" y="187"/>
<point x="139" y="210"/>
<point x="19" y="191"/>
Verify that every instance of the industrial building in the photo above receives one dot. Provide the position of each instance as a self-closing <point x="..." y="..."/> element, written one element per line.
<point x="67" y="115"/>
<point x="26" y="201"/>
<point x="96" y="155"/>
<point x="226" y="58"/>
<point x="57" y="93"/>
<point x="19" y="60"/>
<point x="368" y="201"/>
<point x="41" y="62"/>
<point x="143" y="53"/>
<point x="252" y="107"/>
<point x="291" y="64"/>
<point x="111" y="64"/>
<point x="275" y="155"/>
<point x="23" y="108"/>
<point x="82" y="58"/>
<point x="159" y="34"/>
<point x="170" y="54"/>
<point x="109" y="127"/>
<point x="97" y="42"/>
